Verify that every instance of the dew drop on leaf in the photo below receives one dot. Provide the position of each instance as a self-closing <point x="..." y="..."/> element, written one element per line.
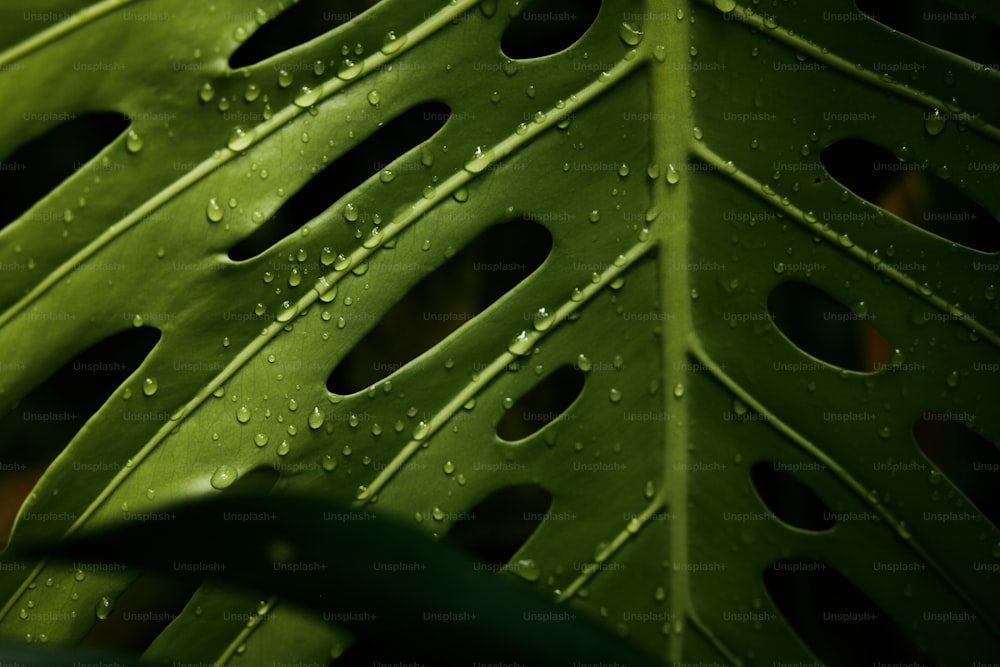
<point x="306" y="97"/>
<point x="149" y="386"/>
<point x="350" y="69"/>
<point x="421" y="431"/>
<point x="630" y="33"/>
<point x="329" y="463"/>
<point x="392" y="43"/>
<point x="103" y="608"/>
<point x="284" y="78"/>
<point x="934" y="122"/>
<point x="520" y="344"/>
<point x="260" y="440"/>
<point x="283" y="447"/>
<point x="206" y="92"/>
<point x="615" y="395"/>
<point x="214" y="211"/>
<point x="243" y="414"/>
<point x="527" y="569"/>
<point x="133" y="142"/>
<point x="480" y="159"/>
<point x="240" y="138"/>
<point x="223" y="477"/>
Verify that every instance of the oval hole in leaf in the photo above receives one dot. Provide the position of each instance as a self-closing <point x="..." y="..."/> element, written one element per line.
<point x="543" y="403"/>
<point x="911" y="192"/>
<point x="347" y="172"/>
<point x="483" y="271"/>
<point x="970" y="461"/>
<point x="812" y="596"/>
<point x="791" y="501"/>
<point x="495" y="528"/>
<point x="547" y="26"/>
<point x="936" y="23"/>
<point x="823" y="327"/>
<point x="35" y="168"/>
<point x="300" y="23"/>
<point x="44" y="421"/>
<point x="141" y="612"/>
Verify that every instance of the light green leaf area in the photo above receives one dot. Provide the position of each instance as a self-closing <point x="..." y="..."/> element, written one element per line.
<point x="633" y="153"/>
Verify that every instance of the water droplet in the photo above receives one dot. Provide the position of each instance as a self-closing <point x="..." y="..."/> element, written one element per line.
<point x="252" y="92"/>
<point x="650" y="490"/>
<point x="392" y="43"/>
<point x="350" y="212"/>
<point x="214" y="210"/>
<point x="316" y="419"/>
<point x="288" y="311"/>
<point x="526" y="568"/>
<point x="240" y="139"/>
<point x="284" y="447"/>
<point x="543" y="319"/>
<point x="448" y="468"/>
<point x="678" y="390"/>
<point x="133" y="142"/>
<point x="725" y="5"/>
<point x="285" y="78"/>
<point x="206" y="92"/>
<point x="673" y="176"/>
<point x="306" y="97"/>
<point x="615" y="395"/>
<point x="294" y="277"/>
<point x="952" y="379"/>
<point x="350" y="69"/>
<point x="521" y="344"/>
<point x="374" y="97"/>
<point x="480" y="159"/>
<point x="934" y="122"/>
<point x="329" y="463"/>
<point x="630" y="33"/>
<point x="149" y="386"/>
<point x="990" y="292"/>
<point x="104" y="608"/>
<point x="243" y="414"/>
<point x="421" y="431"/>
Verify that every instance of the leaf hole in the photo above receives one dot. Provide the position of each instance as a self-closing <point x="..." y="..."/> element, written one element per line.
<point x="841" y="625"/>
<point x="482" y="272"/>
<point x="35" y="168"/>
<point x="788" y="498"/>
<point x="939" y="24"/>
<point x="499" y="525"/>
<point x="548" y="26"/>
<point x="347" y="172"/>
<point x="298" y="24"/>
<point x="543" y="404"/>
<point x="825" y="328"/>
<point x="967" y="459"/>
<point x="911" y="192"/>
<point x="40" y="425"/>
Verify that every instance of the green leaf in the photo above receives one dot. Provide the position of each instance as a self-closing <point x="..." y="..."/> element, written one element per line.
<point x="678" y="155"/>
<point x="406" y="587"/>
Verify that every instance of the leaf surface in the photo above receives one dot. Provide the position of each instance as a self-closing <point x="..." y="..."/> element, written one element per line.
<point x="673" y="153"/>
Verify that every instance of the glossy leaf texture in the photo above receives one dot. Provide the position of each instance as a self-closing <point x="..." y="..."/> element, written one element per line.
<point x="713" y="457"/>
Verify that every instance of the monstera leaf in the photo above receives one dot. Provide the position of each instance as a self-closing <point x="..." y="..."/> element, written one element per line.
<point x="708" y="478"/>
